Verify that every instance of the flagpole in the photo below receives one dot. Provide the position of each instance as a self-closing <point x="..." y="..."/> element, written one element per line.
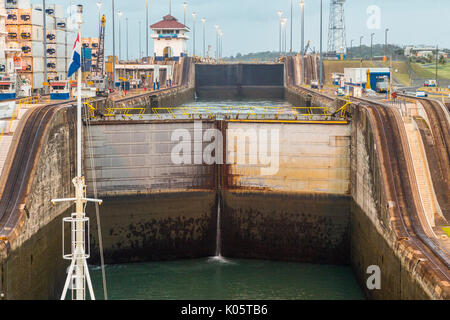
<point x="79" y="224"/>
<point x="79" y="106"/>
<point x="78" y="274"/>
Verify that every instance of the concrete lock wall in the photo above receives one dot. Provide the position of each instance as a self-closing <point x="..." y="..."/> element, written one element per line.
<point x="313" y="158"/>
<point x="32" y="266"/>
<point x="239" y="80"/>
<point x="153" y="209"/>
<point x="157" y="210"/>
<point x="373" y="231"/>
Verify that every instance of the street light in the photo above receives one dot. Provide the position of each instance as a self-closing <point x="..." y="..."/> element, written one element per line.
<point x="193" y="16"/>
<point x="292" y="5"/>
<point x="302" y="7"/>
<point x="114" y="45"/>
<point x="140" y="40"/>
<point x="386" y="43"/>
<point x="99" y="6"/>
<point x="45" y="45"/>
<point x="146" y="31"/>
<point x="119" y="14"/>
<point x="220" y="43"/>
<point x="217" y="42"/>
<point x="360" y="65"/>
<point x="126" y="20"/>
<point x="371" y="46"/>
<point x="284" y="23"/>
<point x="185" y="6"/>
<point x="280" y="15"/>
<point x="351" y="47"/>
<point x="204" y="37"/>
<point x="360" y="46"/>
<point x="321" y="54"/>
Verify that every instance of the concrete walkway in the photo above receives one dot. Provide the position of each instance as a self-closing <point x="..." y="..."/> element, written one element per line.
<point x="428" y="199"/>
<point x="8" y="127"/>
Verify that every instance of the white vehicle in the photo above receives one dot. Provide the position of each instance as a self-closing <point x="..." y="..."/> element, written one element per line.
<point x="100" y="84"/>
<point x="421" y="94"/>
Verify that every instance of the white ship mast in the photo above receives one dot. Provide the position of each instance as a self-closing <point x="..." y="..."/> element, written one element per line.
<point x="78" y="274"/>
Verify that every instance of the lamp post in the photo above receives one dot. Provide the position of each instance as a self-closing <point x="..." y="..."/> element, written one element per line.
<point x="284" y="24"/>
<point x="185" y="6"/>
<point x="146" y="31"/>
<point x="386" y="43"/>
<point x="371" y="46"/>
<point x="220" y="43"/>
<point x="126" y="20"/>
<point x="361" y="59"/>
<point x="114" y="45"/>
<point x="217" y="42"/>
<point x="140" y="40"/>
<point x="321" y="54"/>
<point x="302" y="7"/>
<point x="204" y="37"/>
<point x="351" y="48"/>
<point x="45" y="45"/>
<point x="193" y="17"/>
<point x="119" y="14"/>
<point x="437" y="64"/>
<point x="280" y="15"/>
<point x="99" y="6"/>
<point x="292" y="28"/>
<point x="170" y="7"/>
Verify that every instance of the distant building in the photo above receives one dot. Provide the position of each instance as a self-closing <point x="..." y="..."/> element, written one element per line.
<point x="169" y="39"/>
<point x="3" y="35"/>
<point x="418" y="52"/>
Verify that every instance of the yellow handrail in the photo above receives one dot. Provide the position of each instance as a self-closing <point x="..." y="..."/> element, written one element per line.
<point x="2" y="134"/>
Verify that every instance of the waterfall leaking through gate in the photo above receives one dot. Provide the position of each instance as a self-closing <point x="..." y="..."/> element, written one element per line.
<point x="218" y="232"/>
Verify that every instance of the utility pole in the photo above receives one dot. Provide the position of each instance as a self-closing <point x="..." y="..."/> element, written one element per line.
<point x="193" y="16"/>
<point x="184" y="5"/>
<point x="78" y="272"/>
<point x="361" y="61"/>
<point x="371" y="46"/>
<point x="302" y="6"/>
<point x="292" y="20"/>
<point x="99" y="6"/>
<point x="437" y="62"/>
<point x="351" y="48"/>
<point x="146" y="32"/>
<point x="204" y="37"/>
<point x="126" y="20"/>
<point x="45" y="45"/>
<point x="284" y="25"/>
<point x="114" y="45"/>
<point x="386" y="43"/>
<point x="119" y="14"/>
<point x="140" y="41"/>
<point x="321" y="54"/>
<point x="280" y="15"/>
<point x="217" y="42"/>
<point x="170" y="7"/>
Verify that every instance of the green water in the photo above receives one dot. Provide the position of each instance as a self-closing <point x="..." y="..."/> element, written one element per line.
<point x="209" y="279"/>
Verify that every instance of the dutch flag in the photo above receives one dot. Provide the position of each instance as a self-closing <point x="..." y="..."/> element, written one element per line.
<point x="76" y="57"/>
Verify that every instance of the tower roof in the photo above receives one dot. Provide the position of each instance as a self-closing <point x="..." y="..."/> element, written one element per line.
<point x="168" y="22"/>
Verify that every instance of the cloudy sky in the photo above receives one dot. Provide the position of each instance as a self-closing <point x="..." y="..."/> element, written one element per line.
<point x="252" y="25"/>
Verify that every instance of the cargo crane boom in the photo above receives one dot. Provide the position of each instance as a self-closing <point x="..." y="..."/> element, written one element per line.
<point x="101" y="49"/>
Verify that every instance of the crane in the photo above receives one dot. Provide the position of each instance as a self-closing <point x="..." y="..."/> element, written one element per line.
<point x="99" y="81"/>
<point x="101" y="49"/>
